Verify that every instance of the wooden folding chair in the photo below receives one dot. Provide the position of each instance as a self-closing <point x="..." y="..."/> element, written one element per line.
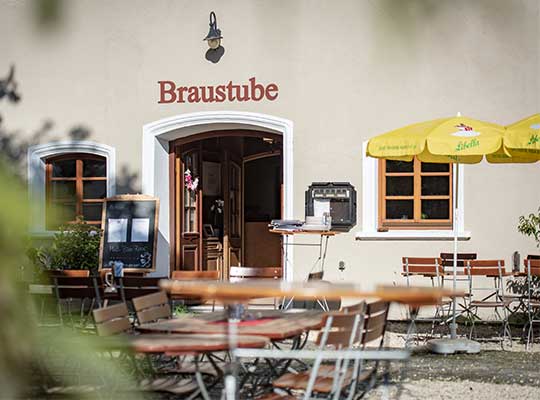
<point x="114" y="320"/>
<point x="240" y="274"/>
<point x="152" y="307"/>
<point x="479" y="270"/>
<point x="422" y="268"/>
<point x="69" y="288"/>
<point x="135" y="286"/>
<point x="532" y="300"/>
<point x="332" y="380"/>
<point x="341" y="331"/>
<point x="194" y="276"/>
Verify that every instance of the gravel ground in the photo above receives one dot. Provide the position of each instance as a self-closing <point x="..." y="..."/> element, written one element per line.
<point x="446" y="390"/>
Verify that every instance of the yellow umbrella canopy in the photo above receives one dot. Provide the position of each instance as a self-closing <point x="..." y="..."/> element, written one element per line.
<point x="521" y="142"/>
<point x="446" y="140"/>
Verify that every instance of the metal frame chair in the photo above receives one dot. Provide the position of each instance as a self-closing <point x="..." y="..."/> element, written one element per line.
<point x="532" y="268"/>
<point x="152" y="307"/>
<point x="195" y="276"/>
<point x="339" y="377"/>
<point x="424" y="267"/>
<point x="69" y="288"/>
<point x="495" y="297"/>
<point x="341" y="331"/>
<point x="240" y="274"/>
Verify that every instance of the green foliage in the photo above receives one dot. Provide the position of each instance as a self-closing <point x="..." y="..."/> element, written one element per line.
<point x="181" y="309"/>
<point x="75" y="246"/>
<point x="530" y="226"/>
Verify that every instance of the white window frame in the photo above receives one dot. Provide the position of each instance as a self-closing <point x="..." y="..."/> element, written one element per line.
<point x="37" y="157"/>
<point x="370" y="209"/>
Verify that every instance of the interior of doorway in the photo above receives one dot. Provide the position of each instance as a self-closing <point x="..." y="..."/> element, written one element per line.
<point x="227" y="187"/>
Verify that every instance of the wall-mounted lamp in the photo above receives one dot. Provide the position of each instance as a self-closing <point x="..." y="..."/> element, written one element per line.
<point x="214" y="34"/>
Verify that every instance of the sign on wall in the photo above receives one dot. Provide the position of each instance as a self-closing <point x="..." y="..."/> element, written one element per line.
<point x="170" y="92"/>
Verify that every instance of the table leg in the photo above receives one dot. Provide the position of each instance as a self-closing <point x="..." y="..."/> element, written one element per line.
<point x="231" y="382"/>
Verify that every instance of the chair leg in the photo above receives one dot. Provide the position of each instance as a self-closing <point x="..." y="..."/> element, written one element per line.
<point x="411" y="330"/>
<point x="472" y="330"/>
<point x="507" y="333"/>
<point x="530" y="336"/>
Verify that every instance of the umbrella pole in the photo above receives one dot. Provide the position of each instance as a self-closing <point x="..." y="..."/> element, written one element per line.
<point x="453" y="327"/>
<point x="453" y="344"/>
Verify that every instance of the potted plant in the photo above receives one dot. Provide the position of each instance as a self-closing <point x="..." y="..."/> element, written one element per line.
<point x="74" y="251"/>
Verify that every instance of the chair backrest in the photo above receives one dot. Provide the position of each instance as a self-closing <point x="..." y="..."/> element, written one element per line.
<point x="353" y="308"/>
<point x="532" y="265"/>
<point x="112" y="320"/>
<point x="67" y="287"/>
<point x="423" y="266"/>
<point x="152" y="307"/>
<point x="533" y="257"/>
<point x="492" y="268"/>
<point x="342" y="329"/>
<point x="315" y="276"/>
<point x="131" y="287"/>
<point x="462" y="258"/>
<point x="238" y="274"/>
<point x="195" y="275"/>
<point x="375" y="322"/>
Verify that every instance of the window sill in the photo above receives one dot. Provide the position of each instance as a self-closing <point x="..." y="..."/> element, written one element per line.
<point x="412" y="235"/>
<point x="42" y="234"/>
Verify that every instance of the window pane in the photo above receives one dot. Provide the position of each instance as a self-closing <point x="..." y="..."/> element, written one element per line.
<point x="64" y="169"/>
<point x="62" y="190"/>
<point x="60" y="213"/>
<point x="435" y="185"/>
<point x="435" y="209"/>
<point x="399" y="166"/>
<point x="435" y="167"/>
<point x="399" y="185"/>
<point x="94" y="168"/>
<point x="92" y="211"/>
<point x="94" y="189"/>
<point x="399" y="209"/>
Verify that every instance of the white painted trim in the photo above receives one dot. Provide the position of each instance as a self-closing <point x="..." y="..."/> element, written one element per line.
<point x="370" y="209"/>
<point x="155" y="161"/>
<point x="38" y="154"/>
<point x="416" y="234"/>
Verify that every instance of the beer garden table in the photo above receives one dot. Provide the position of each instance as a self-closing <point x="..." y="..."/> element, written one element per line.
<point x="232" y="294"/>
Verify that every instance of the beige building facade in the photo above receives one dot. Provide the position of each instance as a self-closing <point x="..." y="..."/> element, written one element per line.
<point x="321" y="78"/>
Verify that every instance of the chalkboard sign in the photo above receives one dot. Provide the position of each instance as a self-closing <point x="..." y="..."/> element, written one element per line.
<point x="129" y="223"/>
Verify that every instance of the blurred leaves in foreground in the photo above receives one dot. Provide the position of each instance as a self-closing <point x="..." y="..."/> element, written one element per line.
<point x="36" y="359"/>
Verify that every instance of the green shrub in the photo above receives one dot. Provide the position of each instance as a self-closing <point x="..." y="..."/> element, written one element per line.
<point x="76" y="246"/>
<point x="530" y="226"/>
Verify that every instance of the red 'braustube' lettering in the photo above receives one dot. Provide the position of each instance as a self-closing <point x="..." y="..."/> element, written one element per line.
<point x="169" y="92"/>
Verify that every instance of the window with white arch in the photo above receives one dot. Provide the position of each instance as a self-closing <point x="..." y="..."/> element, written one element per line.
<point x="67" y="180"/>
<point x="371" y="202"/>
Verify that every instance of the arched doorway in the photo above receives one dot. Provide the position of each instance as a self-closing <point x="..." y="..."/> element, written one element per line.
<point x="221" y="213"/>
<point x="158" y="166"/>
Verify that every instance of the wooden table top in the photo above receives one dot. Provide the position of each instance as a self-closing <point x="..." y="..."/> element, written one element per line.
<point x="244" y="291"/>
<point x="274" y="325"/>
<point x="195" y="343"/>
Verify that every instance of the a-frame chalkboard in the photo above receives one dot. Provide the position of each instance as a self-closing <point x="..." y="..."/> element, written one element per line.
<point x="129" y="225"/>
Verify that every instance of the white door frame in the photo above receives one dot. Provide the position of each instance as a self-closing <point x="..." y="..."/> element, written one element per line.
<point x="155" y="163"/>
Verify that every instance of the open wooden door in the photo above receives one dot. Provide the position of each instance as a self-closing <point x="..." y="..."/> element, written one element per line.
<point x="188" y="209"/>
<point x="233" y="229"/>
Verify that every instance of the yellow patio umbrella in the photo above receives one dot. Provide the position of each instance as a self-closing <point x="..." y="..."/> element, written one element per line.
<point x="447" y="140"/>
<point x="458" y="140"/>
<point x="521" y="142"/>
